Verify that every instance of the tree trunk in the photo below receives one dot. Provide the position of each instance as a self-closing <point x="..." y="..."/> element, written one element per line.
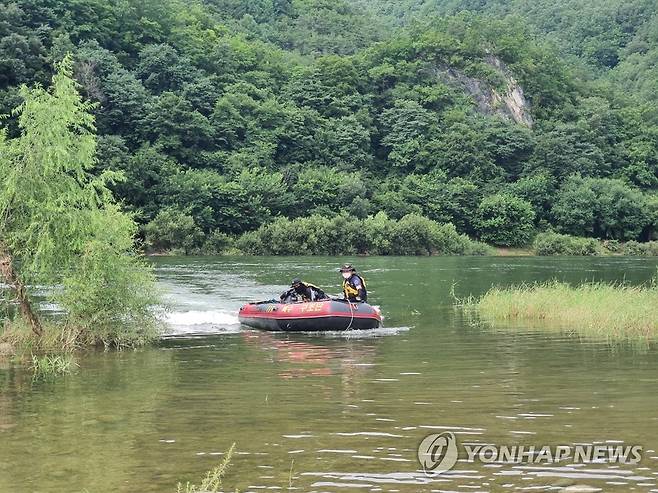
<point x="11" y="277"/>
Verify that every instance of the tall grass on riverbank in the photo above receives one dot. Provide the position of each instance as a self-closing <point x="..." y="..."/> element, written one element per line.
<point x="56" y="338"/>
<point x="612" y="311"/>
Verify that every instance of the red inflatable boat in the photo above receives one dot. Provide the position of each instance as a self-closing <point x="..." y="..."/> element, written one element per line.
<point x="310" y="316"/>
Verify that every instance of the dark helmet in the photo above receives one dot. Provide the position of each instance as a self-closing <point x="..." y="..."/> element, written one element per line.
<point x="347" y="268"/>
<point x="296" y="282"/>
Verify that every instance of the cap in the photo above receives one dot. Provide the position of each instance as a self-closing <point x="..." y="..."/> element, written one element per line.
<point x="347" y="268"/>
<point x="296" y="281"/>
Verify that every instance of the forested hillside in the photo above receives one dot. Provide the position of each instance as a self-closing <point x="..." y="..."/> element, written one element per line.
<point x="503" y="117"/>
<point x="602" y="32"/>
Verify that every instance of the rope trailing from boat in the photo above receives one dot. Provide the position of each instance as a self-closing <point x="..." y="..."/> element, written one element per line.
<point x="352" y="315"/>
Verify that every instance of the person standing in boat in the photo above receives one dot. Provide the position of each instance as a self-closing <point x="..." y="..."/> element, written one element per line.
<point x="302" y="291"/>
<point x="354" y="286"/>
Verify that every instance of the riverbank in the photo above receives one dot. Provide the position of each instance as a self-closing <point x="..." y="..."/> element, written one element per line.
<point x="550" y="243"/>
<point x="340" y="235"/>
<point x="412" y="235"/>
<point x="612" y="311"/>
<point x="447" y="242"/>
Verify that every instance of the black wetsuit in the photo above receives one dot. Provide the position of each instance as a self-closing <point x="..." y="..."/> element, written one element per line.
<point x="303" y="292"/>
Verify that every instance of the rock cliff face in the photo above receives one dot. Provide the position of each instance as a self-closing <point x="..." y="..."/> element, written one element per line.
<point x="508" y="102"/>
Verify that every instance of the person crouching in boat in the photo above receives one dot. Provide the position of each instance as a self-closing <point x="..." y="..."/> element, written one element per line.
<point x="354" y="286"/>
<point x="302" y="291"/>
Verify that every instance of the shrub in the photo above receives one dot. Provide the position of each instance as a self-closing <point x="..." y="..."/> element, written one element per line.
<point x="95" y="298"/>
<point x="505" y="220"/>
<point x="573" y="210"/>
<point x="216" y="243"/>
<point x="651" y="230"/>
<point x="633" y="248"/>
<point x="537" y="189"/>
<point x="601" y="207"/>
<point x="250" y="243"/>
<point x="447" y="241"/>
<point x="344" y="235"/>
<point x="551" y="243"/>
<point x="378" y="231"/>
<point x="477" y="248"/>
<point x="651" y="248"/>
<point x="303" y="236"/>
<point x="414" y="235"/>
<point x="613" y="246"/>
<point x="636" y="249"/>
<point x="173" y="229"/>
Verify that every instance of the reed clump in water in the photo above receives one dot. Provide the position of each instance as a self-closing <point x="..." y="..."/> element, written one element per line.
<point x="51" y="365"/>
<point x="612" y="311"/>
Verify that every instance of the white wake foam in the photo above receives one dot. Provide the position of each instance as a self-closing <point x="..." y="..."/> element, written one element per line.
<point x="361" y="333"/>
<point x="197" y="317"/>
<point x="202" y="322"/>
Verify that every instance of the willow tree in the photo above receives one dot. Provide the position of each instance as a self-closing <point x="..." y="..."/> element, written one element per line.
<point x="59" y="225"/>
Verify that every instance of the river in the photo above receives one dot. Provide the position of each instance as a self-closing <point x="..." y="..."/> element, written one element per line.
<point x="338" y="412"/>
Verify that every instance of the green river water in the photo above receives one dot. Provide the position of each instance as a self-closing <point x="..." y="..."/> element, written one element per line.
<point x="345" y="412"/>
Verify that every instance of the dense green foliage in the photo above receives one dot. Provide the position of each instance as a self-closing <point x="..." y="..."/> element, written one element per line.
<point x="602" y="33"/>
<point x="551" y="243"/>
<point x="60" y="225"/>
<point x="344" y="235"/>
<point x="505" y="220"/>
<point x="227" y="115"/>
